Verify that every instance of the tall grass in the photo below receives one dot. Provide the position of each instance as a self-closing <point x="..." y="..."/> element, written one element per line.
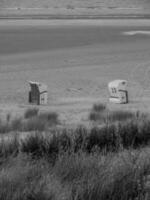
<point x="108" y="162"/>
<point x="21" y="178"/>
<point x="116" y="177"/>
<point x="108" y="138"/>
<point x="77" y="176"/>
<point x="9" y="147"/>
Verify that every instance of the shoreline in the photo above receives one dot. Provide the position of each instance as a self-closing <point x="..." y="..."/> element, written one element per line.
<point x="76" y="13"/>
<point x="72" y="17"/>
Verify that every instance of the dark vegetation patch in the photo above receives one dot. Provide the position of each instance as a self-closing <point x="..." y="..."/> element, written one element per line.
<point x="106" y="162"/>
<point x="100" y="113"/>
<point x="31" y="112"/>
<point x="132" y="133"/>
<point x="33" y="120"/>
<point x="77" y="176"/>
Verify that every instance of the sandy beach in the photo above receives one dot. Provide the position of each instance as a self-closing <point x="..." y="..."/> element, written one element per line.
<point x="76" y="59"/>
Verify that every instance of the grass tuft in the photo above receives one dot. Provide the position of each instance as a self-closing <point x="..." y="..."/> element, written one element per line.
<point x="100" y="113"/>
<point x="99" y="107"/>
<point x="32" y="121"/>
<point x="31" y="112"/>
<point x="119" y="115"/>
<point x="50" y="117"/>
<point x="41" y="122"/>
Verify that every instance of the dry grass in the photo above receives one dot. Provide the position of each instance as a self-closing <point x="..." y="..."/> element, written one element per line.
<point x="76" y="176"/>
<point x="32" y="121"/>
<point x="111" y="137"/>
<point x="107" y="163"/>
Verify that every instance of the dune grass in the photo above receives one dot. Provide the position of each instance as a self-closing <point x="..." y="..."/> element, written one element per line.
<point x="77" y="176"/>
<point x="107" y="162"/>
<point x="32" y="120"/>
<point x="134" y="133"/>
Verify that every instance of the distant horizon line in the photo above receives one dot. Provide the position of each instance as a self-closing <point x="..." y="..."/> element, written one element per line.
<point x="76" y="16"/>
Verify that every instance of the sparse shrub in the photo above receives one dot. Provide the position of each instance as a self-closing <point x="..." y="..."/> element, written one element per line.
<point x="64" y="141"/>
<point x="41" y="122"/>
<point x="8" y="117"/>
<point x="35" y="124"/>
<point x="16" y="124"/>
<point x="119" y="115"/>
<point x="50" y="117"/>
<point x="32" y="145"/>
<point x="38" y="146"/>
<point x="32" y="122"/>
<point x="134" y="132"/>
<point x="99" y="107"/>
<point x="105" y="138"/>
<point x="70" y="7"/>
<point x="31" y="112"/>
<point x="4" y="127"/>
<point x="100" y="114"/>
<point x="95" y="116"/>
<point x="97" y="112"/>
